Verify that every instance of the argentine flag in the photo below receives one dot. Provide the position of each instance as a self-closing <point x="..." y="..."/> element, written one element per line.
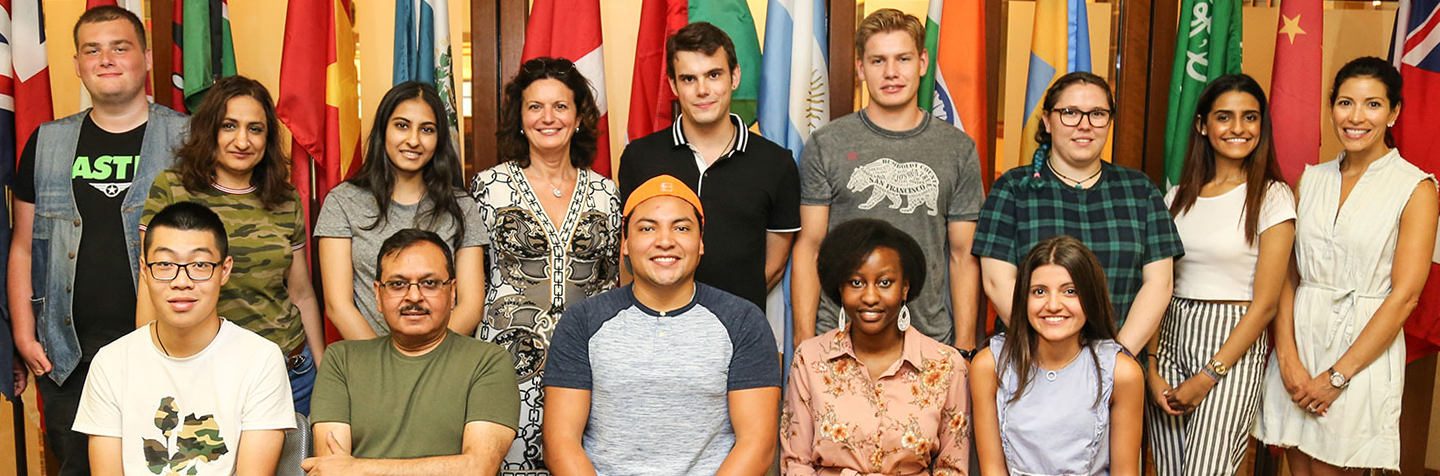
<point x="794" y="101"/>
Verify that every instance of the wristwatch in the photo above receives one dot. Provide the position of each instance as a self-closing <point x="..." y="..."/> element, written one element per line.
<point x="1220" y="369"/>
<point x="1337" y="379"/>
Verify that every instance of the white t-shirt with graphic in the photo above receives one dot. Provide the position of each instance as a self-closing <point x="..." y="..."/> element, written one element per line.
<point x="185" y="413"/>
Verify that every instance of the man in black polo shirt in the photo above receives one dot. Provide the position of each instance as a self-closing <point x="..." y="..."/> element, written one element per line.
<point x="750" y="187"/>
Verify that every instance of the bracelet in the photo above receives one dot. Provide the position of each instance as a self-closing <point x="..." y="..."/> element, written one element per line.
<point x="1211" y="373"/>
<point x="967" y="354"/>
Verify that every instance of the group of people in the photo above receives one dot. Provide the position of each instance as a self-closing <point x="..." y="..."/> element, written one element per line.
<point x="544" y="318"/>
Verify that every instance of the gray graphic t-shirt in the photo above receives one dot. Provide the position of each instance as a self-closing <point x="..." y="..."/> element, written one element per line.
<point x="919" y="180"/>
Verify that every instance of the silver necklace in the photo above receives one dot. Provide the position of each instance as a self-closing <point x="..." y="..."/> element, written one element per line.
<point x="553" y="189"/>
<point x="1052" y="374"/>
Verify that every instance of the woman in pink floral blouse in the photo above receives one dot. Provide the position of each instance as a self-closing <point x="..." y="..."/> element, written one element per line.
<point x="874" y="396"/>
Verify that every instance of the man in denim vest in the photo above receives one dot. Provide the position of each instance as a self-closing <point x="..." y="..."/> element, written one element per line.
<point x="81" y="185"/>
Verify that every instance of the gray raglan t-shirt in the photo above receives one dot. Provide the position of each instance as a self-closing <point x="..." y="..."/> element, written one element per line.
<point x="659" y="382"/>
<point x="348" y="210"/>
<point x="919" y="180"/>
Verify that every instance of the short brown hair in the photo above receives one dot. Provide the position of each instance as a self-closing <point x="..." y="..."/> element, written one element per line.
<point x="886" y="20"/>
<point x="700" y="37"/>
<point x="104" y="13"/>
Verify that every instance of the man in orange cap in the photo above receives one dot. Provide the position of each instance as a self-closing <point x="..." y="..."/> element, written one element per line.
<point x="665" y="376"/>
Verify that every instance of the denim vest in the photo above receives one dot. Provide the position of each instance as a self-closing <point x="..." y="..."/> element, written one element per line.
<point x="58" y="226"/>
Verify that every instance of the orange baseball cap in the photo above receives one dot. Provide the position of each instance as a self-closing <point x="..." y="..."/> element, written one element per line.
<point x="663" y="186"/>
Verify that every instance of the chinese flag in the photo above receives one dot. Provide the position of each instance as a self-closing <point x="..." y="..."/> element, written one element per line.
<point x="1295" y="86"/>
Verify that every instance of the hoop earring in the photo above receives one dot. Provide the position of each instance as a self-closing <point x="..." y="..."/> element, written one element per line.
<point x="904" y="321"/>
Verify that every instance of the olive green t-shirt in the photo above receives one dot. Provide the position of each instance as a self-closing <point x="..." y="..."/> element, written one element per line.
<point x="400" y="406"/>
<point x="262" y="242"/>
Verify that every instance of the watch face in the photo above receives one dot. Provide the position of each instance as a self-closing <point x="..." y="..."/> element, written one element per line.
<point x="1337" y="380"/>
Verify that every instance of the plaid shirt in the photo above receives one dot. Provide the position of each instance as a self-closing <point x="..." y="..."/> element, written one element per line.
<point x="1122" y="218"/>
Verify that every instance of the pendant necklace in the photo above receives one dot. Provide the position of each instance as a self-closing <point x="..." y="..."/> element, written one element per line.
<point x="1052" y="374"/>
<point x="553" y="189"/>
<point x="157" y="339"/>
<point x="1078" y="183"/>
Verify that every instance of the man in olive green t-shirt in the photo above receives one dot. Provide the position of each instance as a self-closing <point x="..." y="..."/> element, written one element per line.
<point x="422" y="400"/>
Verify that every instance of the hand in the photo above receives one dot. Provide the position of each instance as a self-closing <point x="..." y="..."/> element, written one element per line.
<point x="338" y="462"/>
<point x="33" y="354"/>
<point x="22" y="376"/>
<point x="1317" y="395"/>
<point x="1293" y="374"/>
<point x="1191" y="392"/>
<point x="1159" y="391"/>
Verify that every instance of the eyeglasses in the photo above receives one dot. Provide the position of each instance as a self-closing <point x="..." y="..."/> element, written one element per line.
<point x="428" y="287"/>
<point x="1070" y="116"/>
<point x="197" y="271"/>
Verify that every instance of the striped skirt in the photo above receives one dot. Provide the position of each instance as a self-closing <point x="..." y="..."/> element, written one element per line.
<point x="1211" y="440"/>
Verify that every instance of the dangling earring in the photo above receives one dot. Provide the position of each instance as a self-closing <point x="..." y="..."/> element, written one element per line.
<point x="841" y="324"/>
<point x="904" y="321"/>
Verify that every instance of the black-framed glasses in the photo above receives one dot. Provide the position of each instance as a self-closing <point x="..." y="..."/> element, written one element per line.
<point x="1070" y="117"/>
<point x="196" y="270"/>
<point x="428" y="287"/>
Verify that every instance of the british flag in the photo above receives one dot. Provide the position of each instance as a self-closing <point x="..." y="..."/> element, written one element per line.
<point x="1414" y="53"/>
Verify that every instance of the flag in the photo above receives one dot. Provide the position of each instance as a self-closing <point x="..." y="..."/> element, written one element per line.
<point x="319" y="101"/>
<point x="794" y="101"/>
<point x="204" y="50"/>
<point x="134" y="6"/>
<point x="422" y="51"/>
<point x="1060" y="45"/>
<point x="954" y="84"/>
<point x="572" y="31"/>
<point x="650" y="95"/>
<point x="1417" y="32"/>
<point x="1207" y="46"/>
<point x="1295" y="86"/>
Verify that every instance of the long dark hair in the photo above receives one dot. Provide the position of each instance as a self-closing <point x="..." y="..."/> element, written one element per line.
<point x="1018" y="355"/>
<point x="1380" y="70"/>
<point x="511" y="141"/>
<point x="1262" y="169"/>
<point x="196" y="156"/>
<point x="441" y="175"/>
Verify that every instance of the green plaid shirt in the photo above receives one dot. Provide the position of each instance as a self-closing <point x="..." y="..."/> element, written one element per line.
<point x="1122" y="218"/>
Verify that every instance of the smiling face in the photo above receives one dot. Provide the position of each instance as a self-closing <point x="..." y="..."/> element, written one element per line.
<point x="110" y="61"/>
<point x="891" y="66"/>
<point x="874" y="293"/>
<point x="703" y="84"/>
<point x="662" y="243"/>
<point x="412" y="313"/>
<point x="184" y="302"/>
<point x="241" y="136"/>
<point x="1082" y="143"/>
<point x="1233" y="125"/>
<point x="1053" y="304"/>
<point x="548" y="115"/>
<point x="411" y="136"/>
<point x="1361" y="114"/>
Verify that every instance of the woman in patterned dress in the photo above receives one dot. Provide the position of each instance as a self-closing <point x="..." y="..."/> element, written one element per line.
<point x="875" y="396"/>
<point x="554" y="227"/>
<point x="232" y="163"/>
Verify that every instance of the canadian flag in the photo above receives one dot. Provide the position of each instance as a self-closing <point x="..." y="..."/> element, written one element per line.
<point x="570" y="29"/>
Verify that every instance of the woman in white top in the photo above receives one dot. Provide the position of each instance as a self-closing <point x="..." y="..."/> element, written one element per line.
<point x="1236" y="217"/>
<point x="1364" y="238"/>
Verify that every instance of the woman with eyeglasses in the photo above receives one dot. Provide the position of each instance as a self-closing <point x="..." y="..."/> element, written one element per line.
<point x="1068" y="189"/>
<point x="411" y="178"/>
<point x="232" y="163"/>
<point x="554" y="223"/>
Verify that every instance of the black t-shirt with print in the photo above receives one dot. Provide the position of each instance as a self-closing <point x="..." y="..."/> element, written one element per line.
<point x="103" y="298"/>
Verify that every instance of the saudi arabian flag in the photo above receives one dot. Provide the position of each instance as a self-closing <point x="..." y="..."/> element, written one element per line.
<point x="1207" y="47"/>
<point x="208" y="53"/>
<point x="733" y="16"/>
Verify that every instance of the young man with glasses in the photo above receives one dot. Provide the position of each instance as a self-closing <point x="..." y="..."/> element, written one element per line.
<point x="895" y="162"/>
<point x="423" y="399"/>
<point x="190" y="393"/>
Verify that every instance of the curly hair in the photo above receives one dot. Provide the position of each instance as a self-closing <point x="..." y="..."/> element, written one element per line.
<point x="510" y="138"/>
<point x="847" y="246"/>
<point x="196" y="156"/>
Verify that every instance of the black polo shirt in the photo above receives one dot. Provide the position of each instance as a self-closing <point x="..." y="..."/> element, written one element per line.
<point x="751" y="190"/>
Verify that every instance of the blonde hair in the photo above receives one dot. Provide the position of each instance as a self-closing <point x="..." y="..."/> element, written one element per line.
<point x="886" y="20"/>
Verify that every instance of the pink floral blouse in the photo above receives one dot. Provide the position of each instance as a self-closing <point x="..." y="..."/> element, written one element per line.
<point x="911" y="421"/>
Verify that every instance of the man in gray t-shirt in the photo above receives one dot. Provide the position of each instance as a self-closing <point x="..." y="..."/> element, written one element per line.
<point x="895" y="162"/>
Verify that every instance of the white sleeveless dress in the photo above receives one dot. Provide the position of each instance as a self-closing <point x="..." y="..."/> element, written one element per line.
<point x="1344" y="262"/>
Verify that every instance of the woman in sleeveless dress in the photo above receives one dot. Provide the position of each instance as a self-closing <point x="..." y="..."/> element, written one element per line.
<point x="1364" y="237"/>
<point x="1056" y="395"/>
